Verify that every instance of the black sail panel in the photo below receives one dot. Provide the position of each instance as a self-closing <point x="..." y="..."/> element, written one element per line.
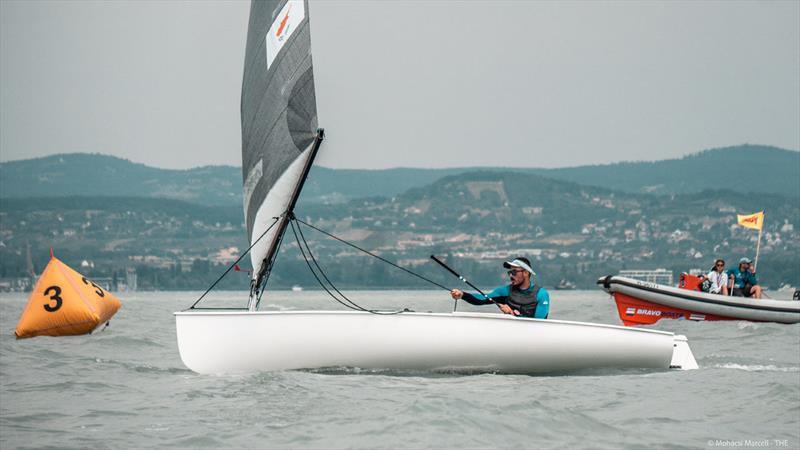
<point x="278" y="114"/>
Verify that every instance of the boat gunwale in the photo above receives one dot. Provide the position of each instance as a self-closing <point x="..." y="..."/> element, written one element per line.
<point x="476" y="315"/>
<point x="698" y="296"/>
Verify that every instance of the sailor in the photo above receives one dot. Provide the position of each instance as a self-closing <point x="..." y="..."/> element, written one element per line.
<point x="520" y="298"/>
<point x="745" y="282"/>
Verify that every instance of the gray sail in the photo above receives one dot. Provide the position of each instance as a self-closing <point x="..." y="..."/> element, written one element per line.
<point x="279" y="118"/>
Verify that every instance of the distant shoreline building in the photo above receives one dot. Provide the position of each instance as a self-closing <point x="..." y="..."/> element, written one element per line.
<point x="658" y="276"/>
<point x="131" y="281"/>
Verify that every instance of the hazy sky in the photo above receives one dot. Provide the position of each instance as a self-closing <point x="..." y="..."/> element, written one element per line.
<point x="408" y="83"/>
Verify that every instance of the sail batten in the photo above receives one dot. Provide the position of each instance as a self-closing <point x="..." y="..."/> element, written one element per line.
<point x="279" y="118"/>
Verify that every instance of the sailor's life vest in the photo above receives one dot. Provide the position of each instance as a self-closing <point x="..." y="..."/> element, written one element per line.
<point x="64" y="302"/>
<point x="524" y="302"/>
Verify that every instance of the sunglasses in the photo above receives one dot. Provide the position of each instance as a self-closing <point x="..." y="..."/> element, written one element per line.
<point x="720" y="264"/>
<point x="514" y="272"/>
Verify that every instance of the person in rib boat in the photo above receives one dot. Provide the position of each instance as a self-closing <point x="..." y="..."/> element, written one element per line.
<point x="520" y="298"/>
<point x="745" y="282"/>
<point x="718" y="278"/>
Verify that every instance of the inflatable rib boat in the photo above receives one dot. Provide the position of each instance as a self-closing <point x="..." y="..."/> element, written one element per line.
<point x="643" y="303"/>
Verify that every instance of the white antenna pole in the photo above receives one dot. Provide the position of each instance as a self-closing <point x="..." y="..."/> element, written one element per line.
<point x="758" y="247"/>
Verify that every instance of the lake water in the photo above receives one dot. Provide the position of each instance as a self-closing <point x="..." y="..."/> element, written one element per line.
<point x="125" y="387"/>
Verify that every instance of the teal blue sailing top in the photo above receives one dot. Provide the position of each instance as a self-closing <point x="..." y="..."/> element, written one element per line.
<point x="521" y="300"/>
<point x="741" y="278"/>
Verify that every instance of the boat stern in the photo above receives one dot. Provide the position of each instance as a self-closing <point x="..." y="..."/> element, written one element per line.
<point x="605" y="283"/>
<point x="682" y="356"/>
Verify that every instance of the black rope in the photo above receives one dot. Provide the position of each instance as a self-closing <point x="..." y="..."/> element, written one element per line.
<point x="234" y="264"/>
<point x="214" y="308"/>
<point x="352" y="305"/>
<point x="313" y="272"/>
<point x="374" y="255"/>
<point x="316" y="263"/>
<point x="301" y="237"/>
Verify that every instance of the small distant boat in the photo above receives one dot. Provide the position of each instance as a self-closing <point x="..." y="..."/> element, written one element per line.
<point x="565" y="285"/>
<point x="65" y="303"/>
<point x="297" y="288"/>
<point x="644" y="303"/>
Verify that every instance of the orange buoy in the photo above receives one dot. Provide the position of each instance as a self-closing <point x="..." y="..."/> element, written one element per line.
<point x="64" y="303"/>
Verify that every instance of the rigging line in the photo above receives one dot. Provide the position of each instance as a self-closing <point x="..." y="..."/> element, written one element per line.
<point x="322" y="272"/>
<point x="319" y="268"/>
<point x="234" y="263"/>
<point x="374" y="255"/>
<point x="355" y="306"/>
<point x="291" y="223"/>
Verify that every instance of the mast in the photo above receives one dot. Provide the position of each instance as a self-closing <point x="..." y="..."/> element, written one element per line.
<point x="269" y="260"/>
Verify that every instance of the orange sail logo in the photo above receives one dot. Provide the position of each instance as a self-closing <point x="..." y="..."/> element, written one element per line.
<point x="282" y="27"/>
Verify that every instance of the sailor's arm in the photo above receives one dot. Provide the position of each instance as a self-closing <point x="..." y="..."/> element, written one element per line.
<point x="498" y="296"/>
<point x="469" y="298"/>
<point x="543" y="305"/>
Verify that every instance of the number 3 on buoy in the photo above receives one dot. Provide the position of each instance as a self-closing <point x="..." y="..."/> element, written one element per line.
<point x="99" y="290"/>
<point x="56" y="296"/>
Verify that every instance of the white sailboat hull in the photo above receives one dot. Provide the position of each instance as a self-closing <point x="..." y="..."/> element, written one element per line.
<point x="224" y="342"/>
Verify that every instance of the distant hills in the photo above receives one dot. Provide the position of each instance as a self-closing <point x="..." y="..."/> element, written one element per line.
<point x="81" y="174"/>
<point x="745" y="168"/>
<point x="476" y="219"/>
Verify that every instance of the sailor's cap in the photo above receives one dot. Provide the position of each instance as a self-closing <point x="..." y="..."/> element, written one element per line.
<point x="521" y="263"/>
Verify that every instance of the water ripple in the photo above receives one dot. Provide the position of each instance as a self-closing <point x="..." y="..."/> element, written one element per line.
<point x="127" y="388"/>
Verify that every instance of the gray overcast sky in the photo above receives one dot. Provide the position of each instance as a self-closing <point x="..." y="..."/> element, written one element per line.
<point x="402" y="83"/>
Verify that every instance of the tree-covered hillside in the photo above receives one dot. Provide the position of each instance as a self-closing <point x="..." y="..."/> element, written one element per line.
<point x="81" y="174"/>
<point x="476" y="220"/>
<point x="746" y="168"/>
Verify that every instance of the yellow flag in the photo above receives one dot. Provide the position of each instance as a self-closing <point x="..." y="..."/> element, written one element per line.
<point x="754" y="221"/>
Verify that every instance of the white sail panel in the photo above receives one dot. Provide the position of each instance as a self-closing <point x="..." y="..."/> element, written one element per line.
<point x="273" y="206"/>
<point x="251" y="181"/>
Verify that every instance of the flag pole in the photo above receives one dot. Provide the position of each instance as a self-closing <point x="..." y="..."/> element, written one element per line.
<point x="758" y="247"/>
